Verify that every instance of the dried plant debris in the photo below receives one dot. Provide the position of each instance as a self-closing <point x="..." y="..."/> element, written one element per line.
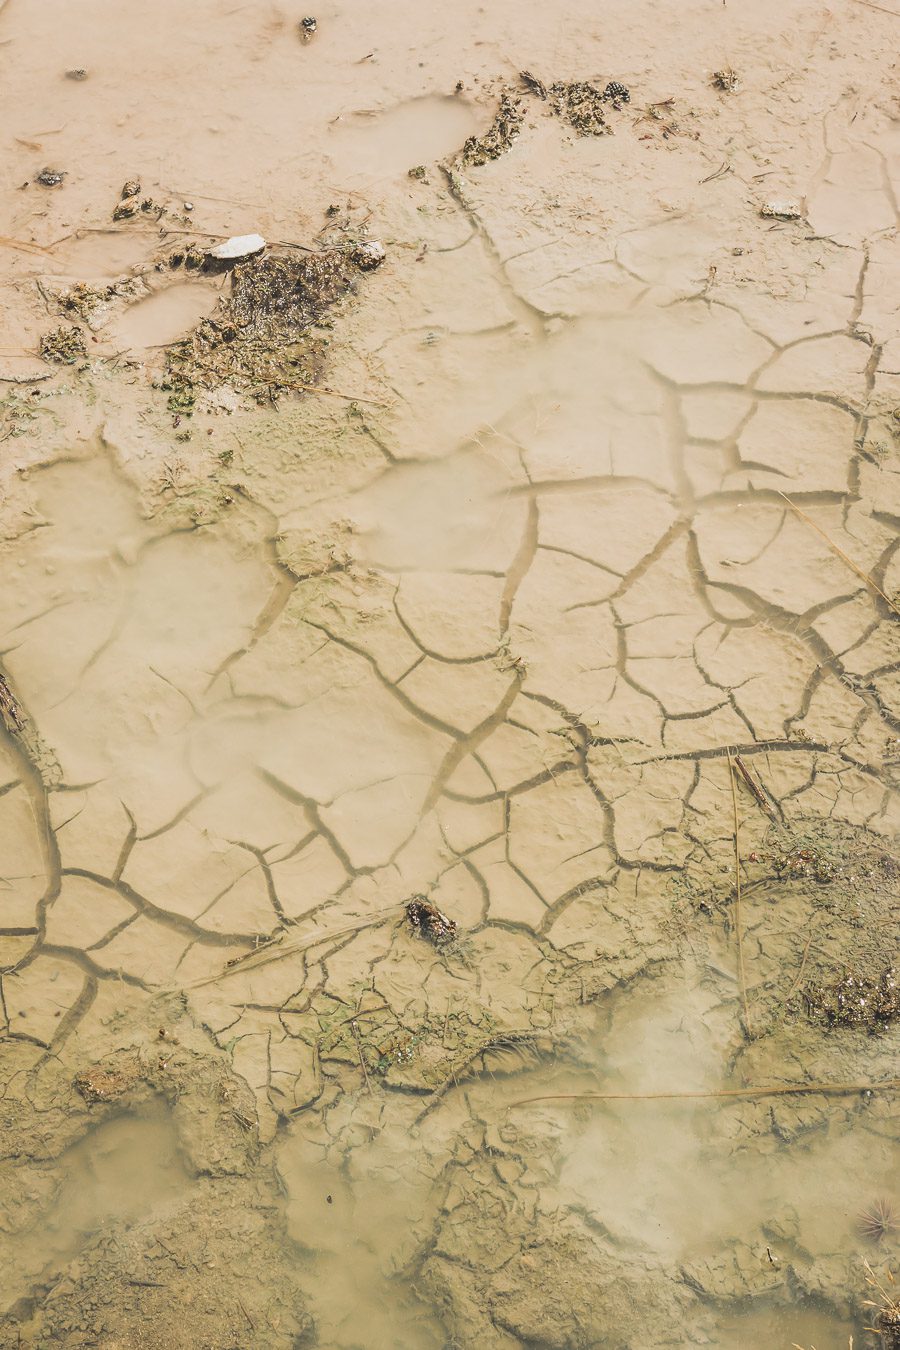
<point x="11" y="714"/>
<point x="91" y="304"/>
<point x="105" y="1083"/>
<point x="583" y="106"/>
<point x="64" y="345"/>
<point x="878" y="1220"/>
<point x="805" y="864"/>
<point x="16" y="722"/>
<point x="725" y="79"/>
<point x="863" y="1002"/>
<point x="500" y="135"/>
<point x="50" y="177"/>
<point x="430" y="922"/>
<point x="261" y="340"/>
<point x="132" y="203"/>
<point x="533" y="84"/>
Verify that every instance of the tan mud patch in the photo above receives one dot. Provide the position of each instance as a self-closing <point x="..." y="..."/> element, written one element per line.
<point x="162" y="318"/>
<point x="560" y="599"/>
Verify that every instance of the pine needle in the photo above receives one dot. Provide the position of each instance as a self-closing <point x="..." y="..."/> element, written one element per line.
<point x="854" y="567"/>
<point x="785" y="1090"/>
<point x="738" y="925"/>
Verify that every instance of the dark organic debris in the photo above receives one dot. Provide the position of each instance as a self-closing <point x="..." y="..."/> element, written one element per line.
<point x="63" y="345"/>
<point x="261" y="339"/>
<point x="863" y="1002"/>
<point x="805" y="864"/>
<point x="878" y="1221"/>
<point x="308" y="27"/>
<point x="50" y="177"/>
<point x="83" y="301"/>
<point x="582" y="105"/>
<point x="430" y="922"/>
<point x="533" y="83"/>
<point x="499" y="136"/>
<point x="105" y="1084"/>
<point x="131" y="202"/>
<point x="11" y="715"/>
<point x="617" y="93"/>
<point x="725" y="79"/>
<point x="368" y="255"/>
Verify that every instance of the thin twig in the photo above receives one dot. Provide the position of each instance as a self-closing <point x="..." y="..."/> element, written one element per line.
<point x="279" y="383"/>
<point x="738" y="926"/>
<point x="362" y="1061"/>
<point x="757" y="791"/>
<point x="864" y="576"/>
<point x="796" y="985"/>
<point x="794" y="1089"/>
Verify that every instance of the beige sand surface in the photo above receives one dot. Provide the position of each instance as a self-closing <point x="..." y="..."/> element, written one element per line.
<point x="556" y="582"/>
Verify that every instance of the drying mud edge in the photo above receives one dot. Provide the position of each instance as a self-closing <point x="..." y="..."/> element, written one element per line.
<point x="449" y="677"/>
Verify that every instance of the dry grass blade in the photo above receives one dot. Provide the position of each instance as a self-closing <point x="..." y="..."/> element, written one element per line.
<point x="23" y="245"/>
<point x="836" y="548"/>
<point x="754" y="788"/>
<point x="738" y="924"/>
<point x="783" y="1090"/>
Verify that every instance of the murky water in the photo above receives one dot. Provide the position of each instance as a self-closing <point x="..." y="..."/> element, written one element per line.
<point x="450" y="723"/>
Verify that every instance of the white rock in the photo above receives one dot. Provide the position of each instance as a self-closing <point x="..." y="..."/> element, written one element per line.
<point x="781" y="211"/>
<point x="240" y="246"/>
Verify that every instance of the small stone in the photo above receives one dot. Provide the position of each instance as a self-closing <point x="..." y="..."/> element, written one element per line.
<point x="130" y="189"/>
<point x="781" y="210"/>
<point x="77" y="73"/>
<point x="308" y="27"/>
<point x="51" y="177"/>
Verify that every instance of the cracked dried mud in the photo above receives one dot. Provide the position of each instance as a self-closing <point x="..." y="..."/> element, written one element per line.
<point x="449" y="677"/>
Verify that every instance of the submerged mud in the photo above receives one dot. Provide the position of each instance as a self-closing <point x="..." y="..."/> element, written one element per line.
<point x="450" y="724"/>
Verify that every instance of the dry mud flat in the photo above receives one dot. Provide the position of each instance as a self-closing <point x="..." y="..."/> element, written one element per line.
<point x="451" y="751"/>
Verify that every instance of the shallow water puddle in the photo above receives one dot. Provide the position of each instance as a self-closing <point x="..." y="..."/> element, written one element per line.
<point x="367" y="146"/>
<point x="495" y="702"/>
<point x="162" y="318"/>
<point x="119" y="1173"/>
<point x="360" y="1234"/>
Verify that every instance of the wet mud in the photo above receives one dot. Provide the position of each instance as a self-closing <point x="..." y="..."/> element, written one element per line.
<point x="449" y="704"/>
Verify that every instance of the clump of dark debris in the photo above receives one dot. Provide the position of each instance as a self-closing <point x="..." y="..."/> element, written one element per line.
<point x="431" y="922"/>
<point x="83" y="301"/>
<point x="132" y="203"/>
<point x="805" y="864"/>
<point x="261" y="340"/>
<point x="64" y="345"/>
<point x="51" y="177"/>
<point x="580" y="103"/>
<point x="583" y="106"/>
<point x="500" y="135"/>
<point x="864" y="1002"/>
<point x="725" y="79"/>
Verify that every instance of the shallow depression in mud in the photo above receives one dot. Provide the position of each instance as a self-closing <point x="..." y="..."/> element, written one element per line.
<point x="449" y="704"/>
